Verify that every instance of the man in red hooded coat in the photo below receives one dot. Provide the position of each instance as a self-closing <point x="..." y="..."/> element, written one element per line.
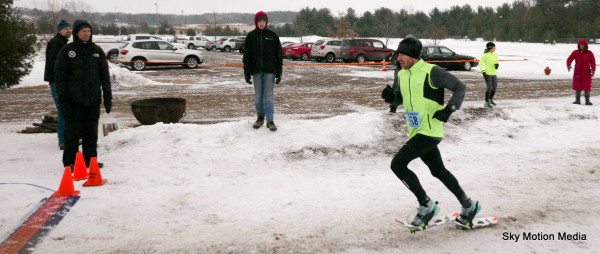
<point x="585" y="67"/>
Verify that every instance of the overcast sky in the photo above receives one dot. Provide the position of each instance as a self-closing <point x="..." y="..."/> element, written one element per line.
<point x="249" y="6"/>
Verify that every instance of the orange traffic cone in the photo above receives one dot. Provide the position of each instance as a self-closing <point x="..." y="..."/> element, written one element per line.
<point x="80" y="168"/>
<point x="95" y="178"/>
<point x="66" y="187"/>
<point x="384" y="67"/>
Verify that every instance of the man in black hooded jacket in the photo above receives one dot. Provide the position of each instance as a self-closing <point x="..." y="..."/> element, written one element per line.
<point x="263" y="62"/>
<point x="82" y="80"/>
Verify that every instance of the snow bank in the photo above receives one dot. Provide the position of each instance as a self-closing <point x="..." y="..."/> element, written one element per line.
<point x="317" y="185"/>
<point x="123" y="77"/>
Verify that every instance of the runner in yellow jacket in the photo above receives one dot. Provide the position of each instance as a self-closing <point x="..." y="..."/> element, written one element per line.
<point x="488" y="66"/>
<point x="421" y="92"/>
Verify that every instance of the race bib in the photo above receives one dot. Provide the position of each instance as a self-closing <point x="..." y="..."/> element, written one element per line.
<point x="413" y="119"/>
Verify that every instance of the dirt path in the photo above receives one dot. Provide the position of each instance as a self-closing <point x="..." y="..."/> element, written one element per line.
<point x="306" y="91"/>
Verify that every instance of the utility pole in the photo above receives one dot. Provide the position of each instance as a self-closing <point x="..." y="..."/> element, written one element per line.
<point x="156" y="19"/>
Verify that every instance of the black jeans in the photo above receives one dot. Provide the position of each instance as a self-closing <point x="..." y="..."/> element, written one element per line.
<point x="81" y="122"/>
<point x="424" y="147"/>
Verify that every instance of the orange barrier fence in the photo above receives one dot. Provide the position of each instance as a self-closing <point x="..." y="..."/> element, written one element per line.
<point x="320" y="64"/>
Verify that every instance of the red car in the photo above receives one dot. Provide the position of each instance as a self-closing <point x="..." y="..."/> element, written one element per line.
<point x="298" y="50"/>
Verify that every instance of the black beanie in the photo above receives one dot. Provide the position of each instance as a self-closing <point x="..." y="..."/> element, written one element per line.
<point x="62" y="25"/>
<point x="490" y="45"/>
<point x="410" y="46"/>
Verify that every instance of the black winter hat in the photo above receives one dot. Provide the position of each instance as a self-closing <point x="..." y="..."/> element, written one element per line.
<point x="410" y="46"/>
<point x="490" y="45"/>
<point x="62" y="25"/>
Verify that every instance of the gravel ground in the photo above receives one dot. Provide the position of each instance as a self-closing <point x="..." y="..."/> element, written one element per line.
<point x="216" y="93"/>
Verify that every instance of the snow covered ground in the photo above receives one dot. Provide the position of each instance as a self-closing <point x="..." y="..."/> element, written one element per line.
<point x="324" y="185"/>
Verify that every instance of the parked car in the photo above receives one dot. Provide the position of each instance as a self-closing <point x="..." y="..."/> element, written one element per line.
<point x="326" y="50"/>
<point x="139" y="54"/>
<point x="299" y="51"/>
<point x="442" y="53"/>
<point x="226" y="45"/>
<point x="362" y="50"/>
<point x="112" y="50"/>
<point x="212" y="45"/>
<point x="239" y="44"/>
<point x="193" y="42"/>
<point x="138" y="37"/>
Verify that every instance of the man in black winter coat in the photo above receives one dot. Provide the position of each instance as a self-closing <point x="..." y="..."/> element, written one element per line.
<point x="82" y="79"/>
<point x="54" y="45"/>
<point x="263" y="62"/>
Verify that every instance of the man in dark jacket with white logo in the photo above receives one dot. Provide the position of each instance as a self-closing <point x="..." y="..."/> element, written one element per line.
<point x="82" y="79"/>
<point x="263" y="62"/>
<point x="54" y="45"/>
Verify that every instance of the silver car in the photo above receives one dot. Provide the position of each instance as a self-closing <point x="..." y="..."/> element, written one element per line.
<point x="328" y="49"/>
<point x="139" y="54"/>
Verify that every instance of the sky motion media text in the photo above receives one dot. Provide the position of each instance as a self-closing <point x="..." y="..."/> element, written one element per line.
<point x="541" y="236"/>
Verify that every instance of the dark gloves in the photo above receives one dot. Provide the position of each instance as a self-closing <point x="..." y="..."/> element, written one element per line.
<point x="496" y="66"/>
<point x="248" y="78"/>
<point x="444" y="114"/>
<point x="388" y="94"/>
<point x="107" y="105"/>
<point x="278" y="79"/>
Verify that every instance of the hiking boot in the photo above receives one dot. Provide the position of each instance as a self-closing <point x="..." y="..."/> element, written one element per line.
<point x="492" y="103"/>
<point x="425" y="214"/>
<point x="466" y="216"/>
<point x="488" y="105"/>
<point x="260" y="120"/>
<point x="271" y="126"/>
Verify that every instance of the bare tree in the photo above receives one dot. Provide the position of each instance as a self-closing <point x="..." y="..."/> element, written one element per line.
<point x="342" y="29"/>
<point x="49" y="13"/>
<point x="214" y="20"/>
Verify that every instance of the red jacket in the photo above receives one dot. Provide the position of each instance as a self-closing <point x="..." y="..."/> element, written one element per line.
<point x="584" y="63"/>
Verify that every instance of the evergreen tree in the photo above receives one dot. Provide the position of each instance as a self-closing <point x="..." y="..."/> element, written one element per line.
<point x="190" y="32"/>
<point x="18" y="45"/>
<point x="163" y="28"/>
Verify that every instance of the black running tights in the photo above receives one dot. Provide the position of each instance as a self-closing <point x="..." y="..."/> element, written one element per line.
<point x="424" y="147"/>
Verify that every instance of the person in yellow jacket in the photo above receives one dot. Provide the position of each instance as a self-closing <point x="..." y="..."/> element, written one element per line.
<point x="488" y="66"/>
<point x="421" y="91"/>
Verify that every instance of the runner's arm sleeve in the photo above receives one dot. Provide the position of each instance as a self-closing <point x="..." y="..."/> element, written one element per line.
<point x="441" y="78"/>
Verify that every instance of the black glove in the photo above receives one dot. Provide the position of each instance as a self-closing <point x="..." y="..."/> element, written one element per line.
<point x="108" y="105"/>
<point x="388" y="94"/>
<point x="444" y="114"/>
<point x="278" y="79"/>
<point x="248" y="78"/>
<point x="496" y="65"/>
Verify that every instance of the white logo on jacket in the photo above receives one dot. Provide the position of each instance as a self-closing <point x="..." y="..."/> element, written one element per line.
<point x="72" y="54"/>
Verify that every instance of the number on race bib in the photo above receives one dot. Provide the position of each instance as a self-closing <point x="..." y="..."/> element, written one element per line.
<point x="413" y="119"/>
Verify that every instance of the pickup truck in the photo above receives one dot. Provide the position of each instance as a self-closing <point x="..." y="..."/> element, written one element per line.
<point x="193" y="42"/>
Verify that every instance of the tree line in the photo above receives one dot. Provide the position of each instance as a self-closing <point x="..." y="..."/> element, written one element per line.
<point x="526" y="20"/>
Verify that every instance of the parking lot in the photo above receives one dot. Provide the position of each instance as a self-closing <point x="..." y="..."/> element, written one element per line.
<point x="216" y="93"/>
